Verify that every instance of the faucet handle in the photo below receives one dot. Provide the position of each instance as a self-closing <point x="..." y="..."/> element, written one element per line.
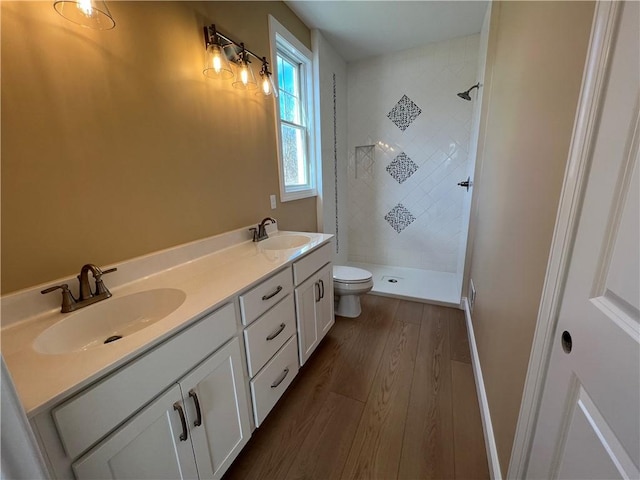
<point x="100" y="288"/>
<point x="254" y="231"/>
<point x="67" y="298"/>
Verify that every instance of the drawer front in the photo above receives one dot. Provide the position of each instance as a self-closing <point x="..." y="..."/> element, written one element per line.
<point x="267" y="334"/>
<point x="307" y="266"/>
<point x="264" y="296"/>
<point x="90" y="415"/>
<point x="272" y="381"/>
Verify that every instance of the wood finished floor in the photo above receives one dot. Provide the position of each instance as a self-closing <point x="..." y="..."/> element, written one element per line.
<point x="388" y="395"/>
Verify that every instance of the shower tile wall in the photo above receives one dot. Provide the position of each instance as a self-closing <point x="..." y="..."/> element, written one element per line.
<point x="408" y="140"/>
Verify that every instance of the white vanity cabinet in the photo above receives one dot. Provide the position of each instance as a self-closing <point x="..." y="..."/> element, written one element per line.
<point x="314" y="299"/>
<point x="193" y="430"/>
<point x="129" y="425"/>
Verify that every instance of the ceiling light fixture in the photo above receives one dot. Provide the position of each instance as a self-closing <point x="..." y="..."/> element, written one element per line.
<point x="222" y="52"/>
<point x="88" y="13"/>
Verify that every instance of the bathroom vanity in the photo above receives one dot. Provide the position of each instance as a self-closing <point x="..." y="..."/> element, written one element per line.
<point x="180" y="396"/>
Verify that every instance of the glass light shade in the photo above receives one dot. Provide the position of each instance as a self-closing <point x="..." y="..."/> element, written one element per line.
<point x="216" y="64"/>
<point x="88" y="13"/>
<point x="266" y="86"/>
<point x="245" y="79"/>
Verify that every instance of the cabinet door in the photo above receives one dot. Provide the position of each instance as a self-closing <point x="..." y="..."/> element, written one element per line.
<point x="307" y="299"/>
<point x="217" y="410"/>
<point x="146" y="447"/>
<point x="326" y="318"/>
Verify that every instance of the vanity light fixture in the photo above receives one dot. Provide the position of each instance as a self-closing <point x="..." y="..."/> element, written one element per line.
<point x="222" y="53"/>
<point x="88" y="13"/>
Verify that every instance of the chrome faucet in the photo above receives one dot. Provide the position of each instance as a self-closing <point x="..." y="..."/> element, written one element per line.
<point x="260" y="233"/>
<point x="86" y="296"/>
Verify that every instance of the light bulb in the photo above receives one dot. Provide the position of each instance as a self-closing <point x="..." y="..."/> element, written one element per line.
<point x="266" y="85"/>
<point x="217" y="62"/>
<point x="244" y="74"/>
<point x="85" y="7"/>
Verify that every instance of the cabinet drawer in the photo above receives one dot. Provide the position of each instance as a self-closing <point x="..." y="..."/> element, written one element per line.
<point x="267" y="334"/>
<point x="90" y="415"/>
<point x="304" y="268"/>
<point x="272" y="381"/>
<point x="264" y="296"/>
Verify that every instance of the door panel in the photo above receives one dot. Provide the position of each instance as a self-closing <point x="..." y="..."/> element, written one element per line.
<point x="326" y="317"/>
<point x="218" y="387"/>
<point x="588" y="421"/>
<point x="306" y="314"/>
<point x="146" y="447"/>
<point x="592" y="449"/>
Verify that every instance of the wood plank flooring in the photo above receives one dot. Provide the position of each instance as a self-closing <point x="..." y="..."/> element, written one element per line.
<point x="388" y="395"/>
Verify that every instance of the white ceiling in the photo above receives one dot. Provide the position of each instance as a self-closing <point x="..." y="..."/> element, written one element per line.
<point x="361" y="29"/>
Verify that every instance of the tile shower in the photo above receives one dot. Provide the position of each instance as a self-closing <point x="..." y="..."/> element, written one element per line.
<point x="408" y="141"/>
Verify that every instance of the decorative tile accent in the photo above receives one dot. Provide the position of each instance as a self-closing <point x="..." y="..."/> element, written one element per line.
<point x="401" y="168"/>
<point x="365" y="159"/>
<point x="404" y="113"/>
<point x="399" y="218"/>
<point x="335" y="159"/>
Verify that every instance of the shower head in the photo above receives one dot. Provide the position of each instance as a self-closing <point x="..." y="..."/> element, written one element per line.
<point x="465" y="95"/>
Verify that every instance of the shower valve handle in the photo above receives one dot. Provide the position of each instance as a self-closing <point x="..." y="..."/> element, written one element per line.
<point x="466" y="184"/>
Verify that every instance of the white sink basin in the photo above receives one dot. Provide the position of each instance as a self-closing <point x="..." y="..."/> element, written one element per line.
<point x="284" y="242"/>
<point x="112" y="319"/>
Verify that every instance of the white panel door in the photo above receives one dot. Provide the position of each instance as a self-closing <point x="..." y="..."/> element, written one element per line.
<point x="149" y="446"/>
<point x="589" y="420"/>
<point x="217" y="409"/>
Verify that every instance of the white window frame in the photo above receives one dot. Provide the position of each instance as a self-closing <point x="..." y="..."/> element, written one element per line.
<point x="282" y="39"/>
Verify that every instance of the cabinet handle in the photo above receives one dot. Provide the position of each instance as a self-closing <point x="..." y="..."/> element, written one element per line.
<point x="281" y="378"/>
<point x="277" y="332"/>
<point x="183" y="421"/>
<point x="271" y="295"/>
<point x="317" y="285"/>
<point x="194" y="395"/>
<point x="321" y="285"/>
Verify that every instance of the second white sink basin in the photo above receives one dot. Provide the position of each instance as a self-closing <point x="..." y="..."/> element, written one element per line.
<point x="108" y="321"/>
<point x="284" y="242"/>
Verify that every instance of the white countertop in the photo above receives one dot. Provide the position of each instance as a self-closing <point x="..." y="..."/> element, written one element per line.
<point x="209" y="281"/>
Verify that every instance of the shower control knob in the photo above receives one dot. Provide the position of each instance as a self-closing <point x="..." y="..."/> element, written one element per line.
<point x="466" y="184"/>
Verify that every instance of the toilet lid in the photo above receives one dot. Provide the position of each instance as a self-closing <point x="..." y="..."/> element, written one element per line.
<point x="350" y="274"/>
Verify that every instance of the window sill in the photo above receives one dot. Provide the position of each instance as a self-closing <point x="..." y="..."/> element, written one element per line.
<point x="289" y="196"/>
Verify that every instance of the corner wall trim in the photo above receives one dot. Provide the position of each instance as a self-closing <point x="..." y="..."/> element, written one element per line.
<point x="487" y="426"/>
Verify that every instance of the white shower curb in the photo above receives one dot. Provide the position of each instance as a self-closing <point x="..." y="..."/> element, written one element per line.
<point x="487" y="426"/>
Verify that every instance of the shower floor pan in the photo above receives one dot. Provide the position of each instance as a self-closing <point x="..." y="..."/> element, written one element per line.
<point x="414" y="284"/>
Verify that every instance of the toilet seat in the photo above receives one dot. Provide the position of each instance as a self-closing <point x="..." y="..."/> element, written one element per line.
<point x="350" y="275"/>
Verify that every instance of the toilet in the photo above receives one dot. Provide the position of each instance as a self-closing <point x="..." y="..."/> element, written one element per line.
<point x="348" y="284"/>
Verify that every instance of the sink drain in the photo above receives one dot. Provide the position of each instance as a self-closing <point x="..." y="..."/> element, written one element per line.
<point x="392" y="280"/>
<point x="113" y="338"/>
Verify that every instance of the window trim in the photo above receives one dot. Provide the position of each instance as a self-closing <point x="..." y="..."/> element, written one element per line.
<point x="279" y="35"/>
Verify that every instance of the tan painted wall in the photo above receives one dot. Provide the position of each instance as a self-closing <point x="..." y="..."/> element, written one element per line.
<point x="535" y="61"/>
<point x="115" y="145"/>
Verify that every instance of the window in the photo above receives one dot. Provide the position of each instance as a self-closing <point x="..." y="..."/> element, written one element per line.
<point x="294" y="114"/>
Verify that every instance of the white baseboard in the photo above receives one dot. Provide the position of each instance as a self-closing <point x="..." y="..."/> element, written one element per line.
<point x="487" y="426"/>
